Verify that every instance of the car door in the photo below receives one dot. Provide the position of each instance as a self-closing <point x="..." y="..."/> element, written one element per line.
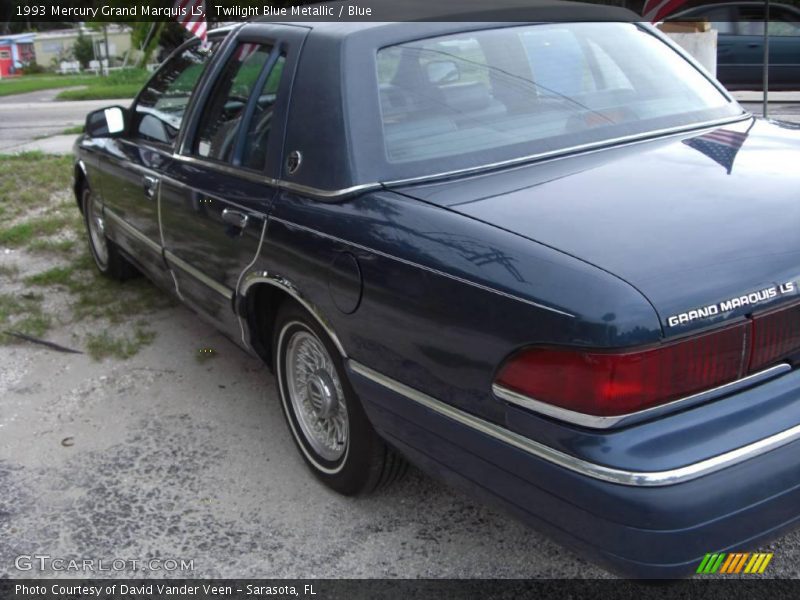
<point x="216" y="193"/>
<point x="130" y="165"/>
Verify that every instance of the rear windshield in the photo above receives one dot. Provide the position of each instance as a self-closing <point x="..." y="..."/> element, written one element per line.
<point x="465" y="100"/>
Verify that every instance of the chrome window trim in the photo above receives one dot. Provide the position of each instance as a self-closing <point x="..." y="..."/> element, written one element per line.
<point x="423" y="267"/>
<point x="577" y="465"/>
<point x="341" y="193"/>
<point x="199" y="275"/>
<point x="326" y="194"/>
<point x="278" y="183"/>
<point x="520" y="161"/>
<point x="131" y="230"/>
<point x="223" y="168"/>
<point x="628" y="140"/>
<point x="598" y="422"/>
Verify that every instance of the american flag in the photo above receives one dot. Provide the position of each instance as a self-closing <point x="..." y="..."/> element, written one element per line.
<point x="656" y="10"/>
<point x="720" y="145"/>
<point x="245" y="51"/>
<point x="193" y="17"/>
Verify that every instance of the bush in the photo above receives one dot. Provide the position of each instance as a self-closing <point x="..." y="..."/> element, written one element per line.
<point x="33" y="69"/>
<point x="83" y="50"/>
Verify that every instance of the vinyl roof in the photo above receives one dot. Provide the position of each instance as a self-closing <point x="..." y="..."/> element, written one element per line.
<point x="392" y="13"/>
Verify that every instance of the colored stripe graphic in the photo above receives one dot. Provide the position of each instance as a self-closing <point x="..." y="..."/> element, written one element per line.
<point x="734" y="562"/>
<point x="741" y="563"/>
<point x="758" y="564"/>
<point x="711" y="563"/>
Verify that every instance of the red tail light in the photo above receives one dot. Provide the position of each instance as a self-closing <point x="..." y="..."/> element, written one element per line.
<point x="615" y="383"/>
<point x="775" y="335"/>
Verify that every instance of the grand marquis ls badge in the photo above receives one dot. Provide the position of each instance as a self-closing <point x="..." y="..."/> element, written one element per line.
<point x="733" y="303"/>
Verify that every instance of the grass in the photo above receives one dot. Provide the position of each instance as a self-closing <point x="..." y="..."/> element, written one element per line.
<point x="24" y="232"/>
<point x="9" y="271"/>
<point x="104" y="344"/>
<point x="53" y="276"/>
<point x="40" y="216"/>
<point x="23" y="313"/>
<point x="51" y="246"/>
<point x="28" y="181"/>
<point x="95" y="297"/>
<point x="35" y="324"/>
<point x="35" y="83"/>
<point x="102" y="92"/>
<point x="118" y="84"/>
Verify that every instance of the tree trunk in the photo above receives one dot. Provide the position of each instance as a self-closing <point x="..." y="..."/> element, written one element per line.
<point x="153" y="38"/>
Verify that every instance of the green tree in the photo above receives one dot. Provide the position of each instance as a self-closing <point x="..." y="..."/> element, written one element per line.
<point x="83" y="49"/>
<point x="147" y="36"/>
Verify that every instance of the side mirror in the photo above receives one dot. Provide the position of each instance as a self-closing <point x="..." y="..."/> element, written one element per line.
<point x="442" y="71"/>
<point x="106" y="122"/>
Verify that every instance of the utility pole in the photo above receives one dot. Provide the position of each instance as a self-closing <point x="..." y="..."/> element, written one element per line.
<point x="766" y="59"/>
<point x="104" y="69"/>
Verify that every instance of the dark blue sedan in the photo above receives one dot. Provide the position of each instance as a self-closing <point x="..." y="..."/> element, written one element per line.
<point x="553" y="263"/>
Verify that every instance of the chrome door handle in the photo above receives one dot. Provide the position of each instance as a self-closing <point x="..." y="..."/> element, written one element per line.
<point x="235" y="218"/>
<point x="150" y="186"/>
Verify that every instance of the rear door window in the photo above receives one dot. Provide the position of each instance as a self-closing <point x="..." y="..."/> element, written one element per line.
<point x="241" y="101"/>
<point x="256" y="134"/>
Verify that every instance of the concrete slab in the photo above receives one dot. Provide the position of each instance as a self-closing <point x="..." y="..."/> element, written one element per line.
<point x="26" y="118"/>
<point x="37" y="96"/>
<point x="57" y="144"/>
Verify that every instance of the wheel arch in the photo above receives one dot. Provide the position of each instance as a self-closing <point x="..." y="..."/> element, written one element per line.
<point x="261" y="295"/>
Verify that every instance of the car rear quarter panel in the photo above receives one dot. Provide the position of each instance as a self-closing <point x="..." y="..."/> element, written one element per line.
<point x="445" y="298"/>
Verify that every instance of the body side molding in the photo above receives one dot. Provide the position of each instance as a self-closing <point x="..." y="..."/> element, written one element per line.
<point x="173" y="260"/>
<point x="572" y="463"/>
<point x="131" y="230"/>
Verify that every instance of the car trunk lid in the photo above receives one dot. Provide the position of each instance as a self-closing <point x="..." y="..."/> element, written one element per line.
<point x="705" y="225"/>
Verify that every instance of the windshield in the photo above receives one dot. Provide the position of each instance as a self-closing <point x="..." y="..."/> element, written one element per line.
<point x="465" y="100"/>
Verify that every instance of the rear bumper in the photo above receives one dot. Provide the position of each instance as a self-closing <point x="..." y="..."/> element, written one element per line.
<point x="660" y="530"/>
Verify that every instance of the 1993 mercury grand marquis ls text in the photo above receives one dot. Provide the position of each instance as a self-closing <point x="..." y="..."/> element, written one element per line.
<point x="553" y="263"/>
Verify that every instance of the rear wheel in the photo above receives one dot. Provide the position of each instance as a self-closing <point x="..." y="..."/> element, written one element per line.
<point x="106" y="255"/>
<point x="324" y="414"/>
